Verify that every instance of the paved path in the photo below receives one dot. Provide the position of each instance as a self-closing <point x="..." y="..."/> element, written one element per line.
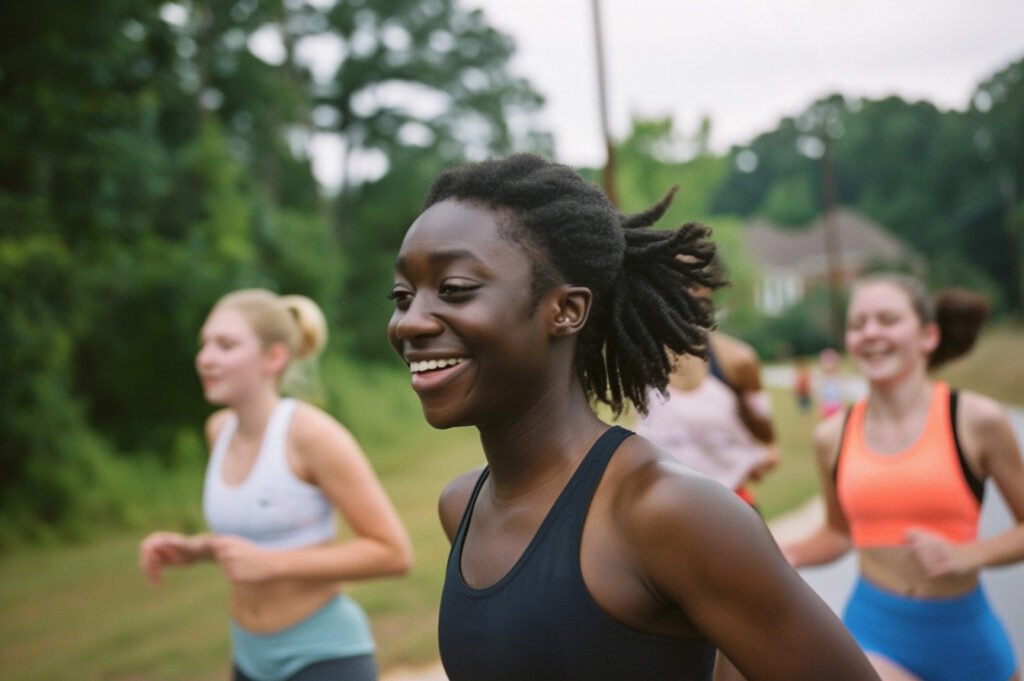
<point x="1004" y="586"/>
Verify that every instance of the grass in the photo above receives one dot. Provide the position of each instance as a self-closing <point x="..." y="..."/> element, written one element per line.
<point x="795" y="479"/>
<point x="83" y="611"/>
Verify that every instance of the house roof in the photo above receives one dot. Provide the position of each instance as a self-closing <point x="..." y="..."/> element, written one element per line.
<point x="860" y="241"/>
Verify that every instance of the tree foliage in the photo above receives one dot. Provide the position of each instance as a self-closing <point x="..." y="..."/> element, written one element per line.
<point x="156" y="155"/>
<point x="948" y="183"/>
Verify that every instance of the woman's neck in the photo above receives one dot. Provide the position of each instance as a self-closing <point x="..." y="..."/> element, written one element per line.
<point x="541" y="444"/>
<point x="254" y="412"/>
<point x="899" y="399"/>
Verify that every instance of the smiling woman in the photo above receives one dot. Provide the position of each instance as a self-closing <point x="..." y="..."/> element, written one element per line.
<point x="479" y="283"/>
<point x="280" y="470"/>
<point x="903" y="477"/>
<point x="582" y="551"/>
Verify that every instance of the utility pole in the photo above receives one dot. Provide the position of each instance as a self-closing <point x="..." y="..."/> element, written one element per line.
<point x="833" y="251"/>
<point x="609" y="163"/>
<point x="1008" y="192"/>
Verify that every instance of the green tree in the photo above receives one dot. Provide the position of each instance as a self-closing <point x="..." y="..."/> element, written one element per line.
<point x="156" y="155"/>
<point x="947" y="183"/>
<point x="654" y="157"/>
<point x="421" y="85"/>
<point x="991" y="227"/>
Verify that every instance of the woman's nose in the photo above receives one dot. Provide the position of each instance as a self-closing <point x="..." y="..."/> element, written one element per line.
<point x="203" y="356"/>
<point x="417" y="319"/>
<point x="871" y="326"/>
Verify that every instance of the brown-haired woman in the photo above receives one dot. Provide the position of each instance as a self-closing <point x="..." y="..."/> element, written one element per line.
<point x="903" y="475"/>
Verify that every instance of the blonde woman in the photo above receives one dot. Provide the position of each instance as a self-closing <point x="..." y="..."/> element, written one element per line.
<point x="279" y="472"/>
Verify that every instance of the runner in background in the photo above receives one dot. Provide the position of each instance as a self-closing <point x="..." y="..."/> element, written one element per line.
<point x="715" y="416"/>
<point x="802" y="389"/>
<point x="903" y="474"/>
<point x="281" y="472"/>
<point x="830" y="384"/>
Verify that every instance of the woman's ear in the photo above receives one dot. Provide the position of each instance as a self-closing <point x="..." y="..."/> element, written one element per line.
<point x="571" y="308"/>
<point x="931" y="337"/>
<point x="277" y="357"/>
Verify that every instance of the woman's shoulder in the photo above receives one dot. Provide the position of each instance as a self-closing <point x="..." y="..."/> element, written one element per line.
<point x="214" y="424"/>
<point x="983" y="426"/>
<point x="738" y="360"/>
<point x="310" y="419"/>
<point x="978" y="408"/>
<point x="651" y="488"/>
<point x="314" y="430"/>
<point x="665" y="511"/>
<point x="828" y="434"/>
<point x="831" y="427"/>
<point x="454" y="499"/>
<point x="732" y="348"/>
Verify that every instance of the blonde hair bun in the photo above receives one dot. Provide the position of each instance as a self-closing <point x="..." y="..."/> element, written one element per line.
<point x="311" y="324"/>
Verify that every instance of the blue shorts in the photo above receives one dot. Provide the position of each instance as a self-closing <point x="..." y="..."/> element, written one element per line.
<point x="337" y="630"/>
<point x="938" y="639"/>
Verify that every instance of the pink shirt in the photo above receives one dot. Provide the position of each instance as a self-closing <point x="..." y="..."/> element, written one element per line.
<point x="702" y="429"/>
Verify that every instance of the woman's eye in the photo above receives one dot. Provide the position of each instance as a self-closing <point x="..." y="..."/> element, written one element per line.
<point x="889" y="319"/>
<point x="456" y="290"/>
<point x="400" y="296"/>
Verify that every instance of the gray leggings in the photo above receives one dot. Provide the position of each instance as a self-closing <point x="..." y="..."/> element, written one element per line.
<point x="357" y="668"/>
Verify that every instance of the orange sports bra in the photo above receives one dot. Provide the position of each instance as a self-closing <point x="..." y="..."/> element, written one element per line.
<point x="928" y="485"/>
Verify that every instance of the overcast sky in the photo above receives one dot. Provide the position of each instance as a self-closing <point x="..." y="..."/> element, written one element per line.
<point x="747" y="63"/>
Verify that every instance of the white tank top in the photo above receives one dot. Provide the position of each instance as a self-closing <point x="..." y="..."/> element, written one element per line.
<point x="271" y="507"/>
<point x="702" y="429"/>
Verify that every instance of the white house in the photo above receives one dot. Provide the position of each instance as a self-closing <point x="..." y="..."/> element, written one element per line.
<point x="794" y="260"/>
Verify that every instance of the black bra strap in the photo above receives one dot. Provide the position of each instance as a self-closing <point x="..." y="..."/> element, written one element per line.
<point x="977" y="485"/>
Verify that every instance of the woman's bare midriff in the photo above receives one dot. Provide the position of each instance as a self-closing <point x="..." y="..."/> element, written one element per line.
<point x="895" y="569"/>
<point x="276" y="605"/>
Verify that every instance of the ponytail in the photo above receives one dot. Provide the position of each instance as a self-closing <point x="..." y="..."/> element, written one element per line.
<point x="656" y="310"/>
<point x="311" y="325"/>
<point x="960" y="315"/>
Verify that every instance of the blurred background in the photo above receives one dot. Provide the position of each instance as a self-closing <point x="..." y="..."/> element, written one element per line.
<point x="154" y="156"/>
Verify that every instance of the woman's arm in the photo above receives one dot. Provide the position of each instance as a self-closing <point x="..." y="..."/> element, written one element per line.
<point x="332" y="460"/>
<point x="173" y="549"/>
<point x="990" y="443"/>
<point x="742" y="369"/>
<point x="831" y="541"/>
<point x="713" y="556"/>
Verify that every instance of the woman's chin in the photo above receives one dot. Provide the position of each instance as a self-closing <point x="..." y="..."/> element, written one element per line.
<point x="442" y="419"/>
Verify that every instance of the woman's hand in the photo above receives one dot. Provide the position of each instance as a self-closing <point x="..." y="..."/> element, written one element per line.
<point x="938" y="557"/>
<point x="169" y="548"/>
<point x="240" y="559"/>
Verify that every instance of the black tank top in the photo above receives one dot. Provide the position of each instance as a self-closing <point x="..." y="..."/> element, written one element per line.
<point x="539" y="622"/>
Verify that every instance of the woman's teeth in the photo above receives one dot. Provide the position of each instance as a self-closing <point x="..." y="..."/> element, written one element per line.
<point x="430" y="364"/>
